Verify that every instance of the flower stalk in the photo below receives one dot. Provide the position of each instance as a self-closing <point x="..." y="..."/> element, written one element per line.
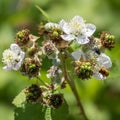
<point x="73" y="88"/>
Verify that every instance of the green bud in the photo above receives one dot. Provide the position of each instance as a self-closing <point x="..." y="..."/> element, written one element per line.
<point x="107" y="40"/>
<point x="106" y="37"/>
<point x="86" y="67"/>
<point x="22" y="37"/>
<point x="89" y="68"/>
<point x="20" y="34"/>
<point x="113" y="37"/>
<point x="84" y="71"/>
<point x="55" y="34"/>
<point x="32" y="66"/>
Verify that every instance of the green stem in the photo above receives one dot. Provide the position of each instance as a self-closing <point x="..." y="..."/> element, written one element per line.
<point x="73" y="88"/>
<point x="42" y="82"/>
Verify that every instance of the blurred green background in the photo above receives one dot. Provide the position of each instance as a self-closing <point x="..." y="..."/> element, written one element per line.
<point x="101" y="99"/>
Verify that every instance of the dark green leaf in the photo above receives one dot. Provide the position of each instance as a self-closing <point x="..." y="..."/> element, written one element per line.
<point x="30" y="112"/>
<point x="60" y="113"/>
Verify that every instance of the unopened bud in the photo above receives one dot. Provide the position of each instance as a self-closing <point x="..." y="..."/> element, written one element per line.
<point x="107" y="40"/>
<point x="84" y="70"/>
<point x="56" y="100"/>
<point x="22" y="37"/>
<point x="31" y="67"/>
<point x="55" y="34"/>
<point x="33" y="93"/>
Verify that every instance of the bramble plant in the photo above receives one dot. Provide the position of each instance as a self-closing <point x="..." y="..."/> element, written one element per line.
<point x="67" y="44"/>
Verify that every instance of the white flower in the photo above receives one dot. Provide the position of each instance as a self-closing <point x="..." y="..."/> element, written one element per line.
<point x="13" y="57"/>
<point x="103" y="61"/>
<point x="77" y="55"/>
<point x="76" y="29"/>
<point x="51" y="26"/>
<point x="54" y="72"/>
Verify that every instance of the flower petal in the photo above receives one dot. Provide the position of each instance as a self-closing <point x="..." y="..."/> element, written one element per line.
<point x="77" y="55"/>
<point x="99" y="76"/>
<point x="89" y="29"/>
<point x="104" y="61"/>
<point x="17" y="66"/>
<point x="22" y="55"/>
<point x="65" y="27"/>
<point x="7" y="68"/>
<point x="82" y="39"/>
<point x="15" y="48"/>
<point x="68" y="37"/>
<point x="77" y="19"/>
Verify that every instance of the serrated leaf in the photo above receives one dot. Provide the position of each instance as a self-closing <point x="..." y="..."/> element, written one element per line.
<point x="60" y="113"/>
<point x="30" y="112"/>
<point x="19" y="99"/>
<point x="43" y="12"/>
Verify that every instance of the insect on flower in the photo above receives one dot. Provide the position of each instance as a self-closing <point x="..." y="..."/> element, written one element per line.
<point x="104" y="71"/>
<point x="96" y="50"/>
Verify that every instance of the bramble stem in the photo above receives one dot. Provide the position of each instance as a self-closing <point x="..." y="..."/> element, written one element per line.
<point x="73" y="88"/>
<point x="42" y="82"/>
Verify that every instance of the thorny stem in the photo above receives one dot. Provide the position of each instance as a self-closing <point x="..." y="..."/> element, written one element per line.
<point x="73" y="88"/>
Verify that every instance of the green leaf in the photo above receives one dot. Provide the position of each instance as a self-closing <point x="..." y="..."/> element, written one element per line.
<point x="30" y="112"/>
<point x="40" y="112"/>
<point x="60" y="113"/>
<point x="43" y="12"/>
<point x="19" y="99"/>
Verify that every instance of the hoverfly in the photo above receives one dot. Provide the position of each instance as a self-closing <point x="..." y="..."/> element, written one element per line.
<point x="104" y="71"/>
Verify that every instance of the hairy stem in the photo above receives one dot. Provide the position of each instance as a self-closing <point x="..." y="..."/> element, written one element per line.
<point x="73" y="88"/>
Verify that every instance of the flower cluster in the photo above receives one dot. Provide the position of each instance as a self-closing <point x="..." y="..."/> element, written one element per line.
<point x="59" y="43"/>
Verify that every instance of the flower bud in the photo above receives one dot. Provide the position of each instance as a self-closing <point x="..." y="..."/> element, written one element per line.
<point x="41" y="28"/>
<point x="51" y="26"/>
<point x="33" y="93"/>
<point x="84" y="70"/>
<point x="55" y="34"/>
<point x="31" y="67"/>
<point x="49" y="49"/>
<point x="56" y="100"/>
<point x="22" y="37"/>
<point x="32" y="51"/>
<point x="107" y="40"/>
